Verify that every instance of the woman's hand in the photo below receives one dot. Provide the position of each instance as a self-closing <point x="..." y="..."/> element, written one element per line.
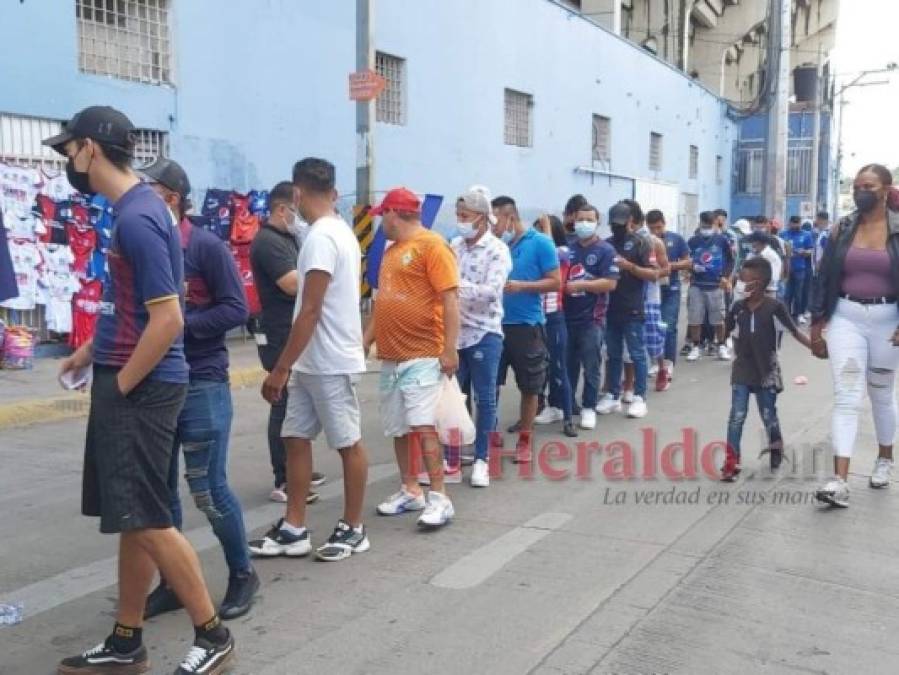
<point x="819" y="346"/>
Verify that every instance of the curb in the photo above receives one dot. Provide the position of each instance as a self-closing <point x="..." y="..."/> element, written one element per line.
<point x="70" y="406"/>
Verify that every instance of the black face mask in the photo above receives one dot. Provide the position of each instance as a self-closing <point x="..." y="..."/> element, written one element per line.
<point x="865" y="200"/>
<point x="619" y="231"/>
<point x="78" y="179"/>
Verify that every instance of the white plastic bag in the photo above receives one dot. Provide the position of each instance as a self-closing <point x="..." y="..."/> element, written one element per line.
<point x="453" y="422"/>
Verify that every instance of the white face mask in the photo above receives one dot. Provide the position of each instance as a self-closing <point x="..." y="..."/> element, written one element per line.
<point x="585" y="229"/>
<point x="467" y="230"/>
<point x="706" y="231"/>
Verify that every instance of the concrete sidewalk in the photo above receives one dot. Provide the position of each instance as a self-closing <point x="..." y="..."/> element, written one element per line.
<point x="34" y="396"/>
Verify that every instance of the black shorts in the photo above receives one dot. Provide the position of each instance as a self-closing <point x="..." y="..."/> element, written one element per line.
<point x="524" y="348"/>
<point x="129" y="447"/>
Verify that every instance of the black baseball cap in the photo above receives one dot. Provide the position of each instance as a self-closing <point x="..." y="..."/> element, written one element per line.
<point x="758" y="237"/>
<point x="168" y="173"/>
<point x="619" y="214"/>
<point x="99" y="123"/>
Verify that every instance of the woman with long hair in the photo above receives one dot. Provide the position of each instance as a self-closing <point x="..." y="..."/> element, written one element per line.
<point x="854" y="324"/>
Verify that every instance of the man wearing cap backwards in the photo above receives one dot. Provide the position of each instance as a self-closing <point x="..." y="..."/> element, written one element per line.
<point x="535" y="270"/>
<point x="484" y="265"/>
<point x="416" y="328"/>
<point x="140" y="379"/>
<point x="320" y="366"/>
<point x="214" y="304"/>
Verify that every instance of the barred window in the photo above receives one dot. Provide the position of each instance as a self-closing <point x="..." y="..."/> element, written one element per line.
<point x="602" y="139"/>
<point x="390" y="107"/>
<point x="694" y="161"/>
<point x="149" y="145"/>
<point x="655" y="151"/>
<point x="128" y="39"/>
<point x="750" y="166"/>
<point x="20" y="142"/>
<point x="518" y="127"/>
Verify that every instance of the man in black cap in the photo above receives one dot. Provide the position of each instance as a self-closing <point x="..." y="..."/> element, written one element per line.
<point x="215" y="304"/>
<point x="140" y="381"/>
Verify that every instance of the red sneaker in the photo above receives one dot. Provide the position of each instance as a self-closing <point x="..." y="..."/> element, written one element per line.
<point x="731" y="468"/>
<point x="663" y="380"/>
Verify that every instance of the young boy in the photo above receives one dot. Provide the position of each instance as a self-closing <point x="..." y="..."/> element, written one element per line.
<point x="755" y="369"/>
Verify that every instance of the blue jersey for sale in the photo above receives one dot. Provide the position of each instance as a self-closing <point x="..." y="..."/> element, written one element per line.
<point x="712" y="259"/>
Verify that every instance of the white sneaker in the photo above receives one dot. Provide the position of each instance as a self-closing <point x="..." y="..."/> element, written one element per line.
<point x="279" y="494"/>
<point x="637" y="408"/>
<point x="834" y="492"/>
<point x="278" y="541"/>
<point x="608" y="404"/>
<point x="424" y="479"/>
<point x="627" y="396"/>
<point x="588" y="418"/>
<point x="401" y="502"/>
<point x="880" y="476"/>
<point x="653" y="370"/>
<point x="694" y="353"/>
<point x="438" y="512"/>
<point x="451" y="476"/>
<point x="723" y="353"/>
<point x="480" y="474"/>
<point x="549" y="415"/>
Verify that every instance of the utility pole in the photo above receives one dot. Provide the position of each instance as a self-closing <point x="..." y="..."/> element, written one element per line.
<point x="816" y="137"/>
<point x="365" y="110"/>
<point x="774" y="195"/>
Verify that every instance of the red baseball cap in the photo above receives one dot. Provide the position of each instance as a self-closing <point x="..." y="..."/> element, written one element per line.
<point x="398" y="199"/>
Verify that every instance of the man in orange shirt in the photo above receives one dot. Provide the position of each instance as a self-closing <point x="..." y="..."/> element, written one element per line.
<point x="415" y="326"/>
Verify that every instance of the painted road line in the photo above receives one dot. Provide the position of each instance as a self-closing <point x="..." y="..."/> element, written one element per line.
<point x="76" y="583"/>
<point x="479" y="565"/>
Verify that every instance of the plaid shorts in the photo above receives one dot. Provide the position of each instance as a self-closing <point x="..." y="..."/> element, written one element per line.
<point x="654" y="330"/>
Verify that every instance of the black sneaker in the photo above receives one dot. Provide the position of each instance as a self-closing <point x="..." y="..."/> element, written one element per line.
<point x="239" y="596"/>
<point x="318" y="479"/>
<point x="569" y="429"/>
<point x="207" y="658"/>
<point x="343" y="543"/>
<point x="160" y="601"/>
<point x="103" y="660"/>
<point x="281" y="542"/>
<point x="775" y="458"/>
<point x="685" y="350"/>
<point x="514" y="428"/>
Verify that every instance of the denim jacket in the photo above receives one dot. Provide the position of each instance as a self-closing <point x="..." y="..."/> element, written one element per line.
<point x="826" y="285"/>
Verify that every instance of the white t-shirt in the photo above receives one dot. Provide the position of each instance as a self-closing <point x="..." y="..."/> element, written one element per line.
<point x="336" y="344"/>
<point x="771" y="256"/>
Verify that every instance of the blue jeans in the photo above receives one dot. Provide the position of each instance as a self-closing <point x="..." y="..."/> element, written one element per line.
<point x="203" y="429"/>
<point x="584" y="343"/>
<point x="557" y="344"/>
<point x="617" y="333"/>
<point x="478" y="368"/>
<point x="670" y="315"/>
<point x="795" y="296"/>
<point x="766" y="399"/>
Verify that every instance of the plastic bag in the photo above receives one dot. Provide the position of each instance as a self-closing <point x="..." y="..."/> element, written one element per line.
<point x="18" y="348"/>
<point x="454" y="425"/>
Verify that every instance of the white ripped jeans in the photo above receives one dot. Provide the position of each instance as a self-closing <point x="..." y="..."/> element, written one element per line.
<point x="862" y="356"/>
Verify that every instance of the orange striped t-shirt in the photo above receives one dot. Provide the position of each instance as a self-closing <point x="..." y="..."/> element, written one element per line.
<point x="408" y="307"/>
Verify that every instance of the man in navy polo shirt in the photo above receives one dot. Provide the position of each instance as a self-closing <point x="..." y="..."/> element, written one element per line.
<point x="535" y="270"/>
<point x="139" y="384"/>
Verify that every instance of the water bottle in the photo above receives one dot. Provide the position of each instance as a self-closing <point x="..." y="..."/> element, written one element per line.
<point x="10" y="615"/>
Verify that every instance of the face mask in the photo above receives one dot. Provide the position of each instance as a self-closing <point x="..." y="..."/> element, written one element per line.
<point x="78" y="179"/>
<point x="507" y="237"/>
<point x="644" y="229"/>
<point x="706" y="231"/>
<point x="865" y="200"/>
<point x="619" y="231"/>
<point x="584" y="229"/>
<point x="467" y="230"/>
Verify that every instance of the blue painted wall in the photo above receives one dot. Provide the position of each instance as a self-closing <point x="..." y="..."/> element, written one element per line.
<point x="261" y="83"/>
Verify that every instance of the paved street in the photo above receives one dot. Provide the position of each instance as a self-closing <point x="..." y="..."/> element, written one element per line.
<point x="533" y="576"/>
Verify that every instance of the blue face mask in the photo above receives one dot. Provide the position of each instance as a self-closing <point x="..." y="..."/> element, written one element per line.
<point x="584" y="229"/>
<point x="507" y="237"/>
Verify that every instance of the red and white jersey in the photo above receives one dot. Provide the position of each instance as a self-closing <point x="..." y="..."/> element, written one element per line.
<point x="85" y="310"/>
<point x="82" y="240"/>
<point x="56" y="186"/>
<point x="241" y="253"/>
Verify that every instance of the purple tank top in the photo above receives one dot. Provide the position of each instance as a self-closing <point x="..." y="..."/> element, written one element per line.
<point x="867" y="274"/>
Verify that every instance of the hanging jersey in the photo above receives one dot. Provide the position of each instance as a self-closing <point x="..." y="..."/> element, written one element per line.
<point x="244" y="227"/>
<point x="82" y="240"/>
<point x="25" y="261"/>
<point x="259" y="203"/>
<point x="241" y="254"/>
<point x="85" y="310"/>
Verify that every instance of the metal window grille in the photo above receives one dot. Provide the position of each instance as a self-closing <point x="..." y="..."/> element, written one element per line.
<point x="390" y="107"/>
<point x="750" y="170"/>
<point x="518" y="125"/>
<point x="719" y="169"/>
<point x="694" y="161"/>
<point x="799" y="167"/>
<point x="602" y="138"/>
<point x="655" y="151"/>
<point x="149" y="145"/>
<point x="129" y="39"/>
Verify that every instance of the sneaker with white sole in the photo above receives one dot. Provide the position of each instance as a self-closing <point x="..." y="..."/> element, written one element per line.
<point x="880" y="476"/>
<point x="105" y="659"/>
<point x="723" y="353"/>
<point x="549" y="415"/>
<point x="206" y="658"/>
<point x="424" y="479"/>
<point x="588" y="418"/>
<point x="279" y="494"/>
<point x="694" y="354"/>
<point x="627" y="396"/>
<point x="278" y="541"/>
<point x="401" y="502"/>
<point x="438" y="512"/>
<point x="452" y="476"/>
<point x="834" y="492"/>
<point x="637" y="408"/>
<point x="480" y="474"/>
<point x="608" y="404"/>
<point x="343" y="542"/>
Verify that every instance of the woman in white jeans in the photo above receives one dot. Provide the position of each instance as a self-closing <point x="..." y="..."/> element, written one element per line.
<point x="855" y="299"/>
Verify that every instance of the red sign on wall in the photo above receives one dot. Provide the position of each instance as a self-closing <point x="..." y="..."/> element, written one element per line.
<point x="366" y="85"/>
